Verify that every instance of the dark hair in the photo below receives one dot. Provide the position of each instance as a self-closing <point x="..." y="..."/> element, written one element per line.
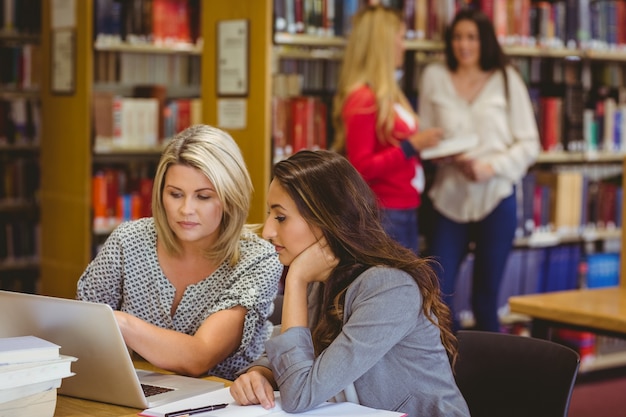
<point x="331" y="195"/>
<point x="492" y="57"/>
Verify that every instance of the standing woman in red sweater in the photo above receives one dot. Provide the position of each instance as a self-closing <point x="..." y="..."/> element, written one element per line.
<point x="376" y="127"/>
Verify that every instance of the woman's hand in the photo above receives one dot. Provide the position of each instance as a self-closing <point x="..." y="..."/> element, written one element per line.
<point x="254" y="387"/>
<point x="315" y="263"/>
<point x="474" y="169"/>
<point x="426" y="138"/>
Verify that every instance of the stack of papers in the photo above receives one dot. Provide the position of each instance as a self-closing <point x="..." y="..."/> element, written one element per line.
<point x="31" y="370"/>
<point x="222" y="396"/>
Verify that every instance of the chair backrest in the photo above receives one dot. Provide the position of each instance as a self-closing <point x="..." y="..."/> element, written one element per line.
<point x="509" y="375"/>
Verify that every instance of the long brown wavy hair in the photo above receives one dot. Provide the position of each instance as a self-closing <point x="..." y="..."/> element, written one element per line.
<point x="331" y="195"/>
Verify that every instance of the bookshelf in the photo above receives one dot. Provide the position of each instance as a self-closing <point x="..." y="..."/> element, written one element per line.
<point x="69" y="158"/>
<point x="20" y="128"/>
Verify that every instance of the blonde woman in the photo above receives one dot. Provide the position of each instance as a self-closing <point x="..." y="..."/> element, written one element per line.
<point x="376" y="127"/>
<point x="192" y="286"/>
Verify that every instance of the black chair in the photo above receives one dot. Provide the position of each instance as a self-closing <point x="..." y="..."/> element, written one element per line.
<point x="504" y="375"/>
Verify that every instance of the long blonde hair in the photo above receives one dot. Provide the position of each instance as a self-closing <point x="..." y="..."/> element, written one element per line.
<point x="213" y="152"/>
<point x="369" y="59"/>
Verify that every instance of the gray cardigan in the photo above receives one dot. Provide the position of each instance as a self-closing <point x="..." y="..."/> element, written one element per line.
<point x="387" y="348"/>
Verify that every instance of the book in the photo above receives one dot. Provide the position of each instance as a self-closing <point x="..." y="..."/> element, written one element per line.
<point x="222" y="396"/>
<point x="450" y="146"/>
<point x="41" y="404"/>
<point x="20" y="374"/>
<point x="26" y="349"/>
<point x="12" y="394"/>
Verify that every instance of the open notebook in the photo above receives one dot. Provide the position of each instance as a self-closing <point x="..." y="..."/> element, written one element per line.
<point x="222" y="396"/>
<point x="88" y="331"/>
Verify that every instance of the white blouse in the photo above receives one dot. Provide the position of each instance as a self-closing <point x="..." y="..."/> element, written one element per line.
<point x="507" y="132"/>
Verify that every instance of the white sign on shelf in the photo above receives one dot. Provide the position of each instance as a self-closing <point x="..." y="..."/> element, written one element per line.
<point x="232" y="57"/>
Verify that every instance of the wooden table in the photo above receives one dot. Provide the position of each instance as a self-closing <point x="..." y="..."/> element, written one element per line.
<point x="601" y="310"/>
<point x="76" y="407"/>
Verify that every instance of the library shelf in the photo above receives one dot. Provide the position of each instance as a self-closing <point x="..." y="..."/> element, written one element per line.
<point x="191" y="49"/>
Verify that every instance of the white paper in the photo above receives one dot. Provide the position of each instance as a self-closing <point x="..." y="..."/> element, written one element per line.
<point x="63" y="14"/>
<point x="233" y="57"/>
<point x="231" y="113"/>
<point x="223" y="396"/>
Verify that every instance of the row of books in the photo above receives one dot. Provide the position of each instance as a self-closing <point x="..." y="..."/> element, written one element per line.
<point x="569" y="201"/>
<point x="590" y="346"/>
<point x="120" y="194"/>
<point x="19" y="241"/>
<point x="20" y="121"/>
<point x="20" y="178"/>
<point x="147" y="68"/>
<point x="21" y="66"/>
<point x="31" y="371"/>
<point x="315" y="17"/>
<point x="573" y="24"/>
<point x="144" y="122"/>
<point x="298" y="122"/>
<point x="595" y="270"/>
<point x="600" y="129"/>
<point x="159" y="22"/>
<point x="20" y="16"/>
<point x="317" y="76"/>
<point x="539" y="270"/>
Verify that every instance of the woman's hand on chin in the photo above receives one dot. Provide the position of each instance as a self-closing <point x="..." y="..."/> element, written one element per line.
<point x="315" y="263"/>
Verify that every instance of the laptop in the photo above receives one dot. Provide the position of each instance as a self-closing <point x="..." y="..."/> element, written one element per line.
<point x="88" y="331"/>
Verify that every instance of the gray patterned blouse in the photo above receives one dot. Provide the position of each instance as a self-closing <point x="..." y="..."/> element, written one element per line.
<point x="126" y="275"/>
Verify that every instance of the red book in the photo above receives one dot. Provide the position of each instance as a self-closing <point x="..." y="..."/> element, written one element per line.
<point x="550" y="129"/>
<point x="184" y="114"/>
<point x="145" y="194"/>
<point x="303" y="122"/>
<point x="620" y="11"/>
<point x="299" y="15"/>
<point x="487" y="7"/>
<point x="500" y="19"/>
<point x="99" y="200"/>
<point x="170" y="21"/>
<point x="183" y="21"/>
<point x="112" y="189"/>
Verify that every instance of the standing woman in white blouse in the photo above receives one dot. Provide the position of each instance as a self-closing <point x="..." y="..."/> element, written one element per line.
<point x="476" y="92"/>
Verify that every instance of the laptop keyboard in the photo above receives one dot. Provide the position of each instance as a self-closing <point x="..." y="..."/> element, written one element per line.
<point x="150" y="390"/>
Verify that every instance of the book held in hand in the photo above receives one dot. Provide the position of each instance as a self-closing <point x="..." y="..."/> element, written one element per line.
<point x="450" y="146"/>
<point x="21" y="349"/>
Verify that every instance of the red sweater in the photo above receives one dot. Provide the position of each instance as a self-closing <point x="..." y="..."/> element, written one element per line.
<point x="383" y="166"/>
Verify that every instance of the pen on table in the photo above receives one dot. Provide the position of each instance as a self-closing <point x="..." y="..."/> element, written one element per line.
<point x="192" y="411"/>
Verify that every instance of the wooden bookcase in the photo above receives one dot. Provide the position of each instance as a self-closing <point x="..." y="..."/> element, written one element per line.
<point x="19" y="155"/>
<point x="67" y="158"/>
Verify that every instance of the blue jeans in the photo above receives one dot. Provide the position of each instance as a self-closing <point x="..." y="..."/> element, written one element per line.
<point x="401" y="225"/>
<point x="493" y="239"/>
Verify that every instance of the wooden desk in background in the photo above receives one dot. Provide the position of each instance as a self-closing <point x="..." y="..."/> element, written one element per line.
<point x="76" y="407"/>
<point x="601" y="310"/>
